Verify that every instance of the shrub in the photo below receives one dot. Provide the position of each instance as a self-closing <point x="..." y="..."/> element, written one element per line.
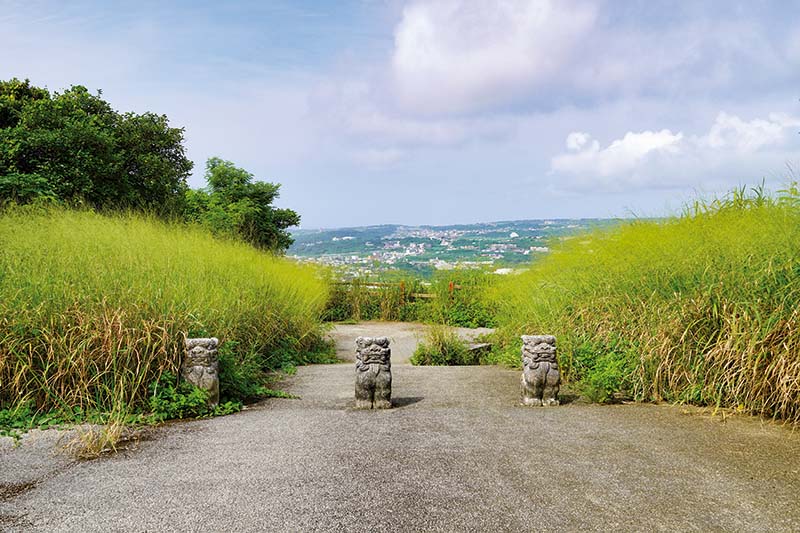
<point x="442" y="346"/>
<point x="170" y="399"/>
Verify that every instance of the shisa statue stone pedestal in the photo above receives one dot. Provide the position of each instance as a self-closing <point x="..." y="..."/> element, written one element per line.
<point x="201" y="367"/>
<point x="540" y="376"/>
<point x="373" y="373"/>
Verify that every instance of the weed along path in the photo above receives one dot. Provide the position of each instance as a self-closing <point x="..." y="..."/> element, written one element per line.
<point x="455" y="454"/>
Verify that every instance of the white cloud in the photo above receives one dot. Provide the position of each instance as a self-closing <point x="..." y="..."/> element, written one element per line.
<point x="460" y="56"/>
<point x="621" y="156"/>
<point x="731" y="132"/>
<point x="732" y="149"/>
<point x="466" y="56"/>
<point x="577" y="140"/>
<point x="465" y="71"/>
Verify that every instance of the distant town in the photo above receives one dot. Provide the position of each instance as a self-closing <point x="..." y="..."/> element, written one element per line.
<point x="501" y="247"/>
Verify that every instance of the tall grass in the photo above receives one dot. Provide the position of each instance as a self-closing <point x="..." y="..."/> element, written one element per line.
<point x="94" y="308"/>
<point x="461" y="298"/>
<point x="701" y="308"/>
<point x="363" y="299"/>
<point x="443" y="347"/>
<point x="455" y="298"/>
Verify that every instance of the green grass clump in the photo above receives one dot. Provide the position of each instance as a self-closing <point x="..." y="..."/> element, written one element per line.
<point x="702" y="308"/>
<point x="461" y="298"/>
<point x="443" y="347"/>
<point x="94" y="309"/>
<point x="455" y="298"/>
<point x="368" y="299"/>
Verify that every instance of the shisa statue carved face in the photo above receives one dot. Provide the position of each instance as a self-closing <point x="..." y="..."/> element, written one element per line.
<point x="201" y="366"/>
<point x="373" y="373"/>
<point x="540" y="376"/>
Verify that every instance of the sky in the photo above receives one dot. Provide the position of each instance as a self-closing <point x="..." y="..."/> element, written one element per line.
<point x="443" y="112"/>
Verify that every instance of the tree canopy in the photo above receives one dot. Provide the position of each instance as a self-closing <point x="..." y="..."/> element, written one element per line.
<point x="72" y="146"/>
<point x="234" y="204"/>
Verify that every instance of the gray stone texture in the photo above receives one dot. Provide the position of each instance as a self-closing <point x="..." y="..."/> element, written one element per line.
<point x="373" y="373"/>
<point x="201" y="366"/>
<point x="540" y="376"/>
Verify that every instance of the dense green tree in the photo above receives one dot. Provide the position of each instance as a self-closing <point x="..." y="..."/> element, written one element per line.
<point x="151" y="156"/>
<point x="74" y="147"/>
<point x="234" y="204"/>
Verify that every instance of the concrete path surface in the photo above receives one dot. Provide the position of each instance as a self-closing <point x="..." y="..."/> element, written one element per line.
<point x="455" y="454"/>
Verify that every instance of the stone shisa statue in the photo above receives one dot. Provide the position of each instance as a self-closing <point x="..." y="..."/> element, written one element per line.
<point x="540" y="375"/>
<point x="201" y="367"/>
<point x="373" y="373"/>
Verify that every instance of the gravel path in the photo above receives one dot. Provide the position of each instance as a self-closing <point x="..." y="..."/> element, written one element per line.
<point x="455" y="454"/>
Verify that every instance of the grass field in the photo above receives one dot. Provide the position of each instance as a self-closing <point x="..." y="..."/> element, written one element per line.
<point x="702" y="308"/>
<point x="454" y="297"/>
<point x="94" y="309"/>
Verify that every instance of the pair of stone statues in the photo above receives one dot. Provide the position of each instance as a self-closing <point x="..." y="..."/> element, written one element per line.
<point x="540" y="376"/>
<point x="373" y="370"/>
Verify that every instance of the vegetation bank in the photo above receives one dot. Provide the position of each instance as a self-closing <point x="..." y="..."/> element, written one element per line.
<point x="94" y="310"/>
<point x="702" y="308"/>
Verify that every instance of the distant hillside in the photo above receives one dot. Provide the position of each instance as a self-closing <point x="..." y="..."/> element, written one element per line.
<point x="423" y="249"/>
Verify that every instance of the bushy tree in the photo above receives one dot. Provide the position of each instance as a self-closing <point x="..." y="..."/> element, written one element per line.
<point x="234" y="204"/>
<point x="74" y="147"/>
